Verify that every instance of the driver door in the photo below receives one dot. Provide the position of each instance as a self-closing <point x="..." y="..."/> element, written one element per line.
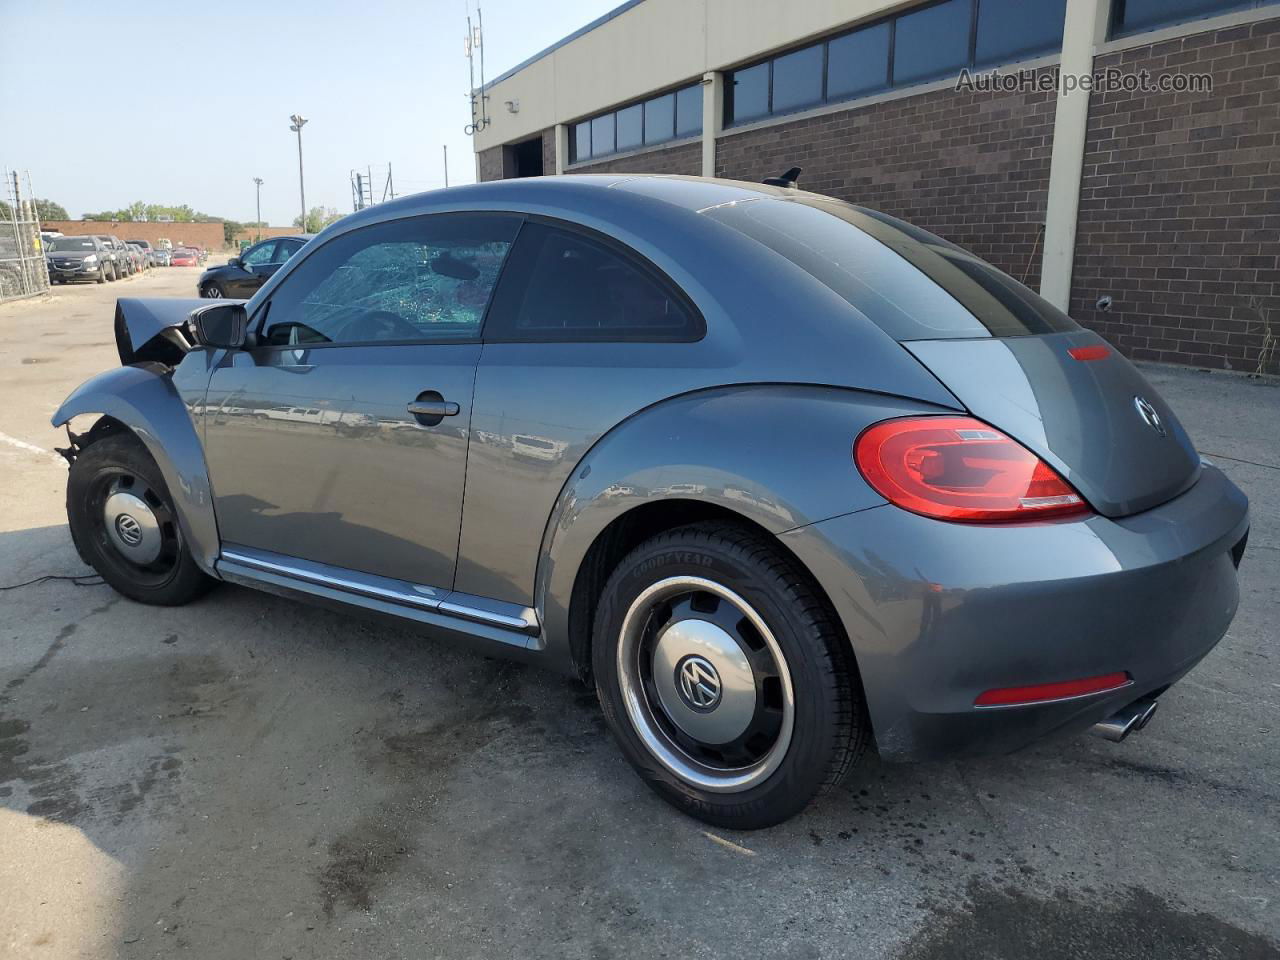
<point x="341" y="436"/>
<point x="257" y="264"/>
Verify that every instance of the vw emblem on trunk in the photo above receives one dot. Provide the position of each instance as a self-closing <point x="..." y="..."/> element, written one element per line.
<point x="129" y="529"/>
<point x="1148" y="413"/>
<point x="699" y="683"/>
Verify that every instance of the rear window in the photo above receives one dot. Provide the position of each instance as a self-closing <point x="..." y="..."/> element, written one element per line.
<point x="910" y="283"/>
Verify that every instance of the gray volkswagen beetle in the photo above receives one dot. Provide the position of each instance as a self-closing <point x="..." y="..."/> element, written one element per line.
<point x="784" y="477"/>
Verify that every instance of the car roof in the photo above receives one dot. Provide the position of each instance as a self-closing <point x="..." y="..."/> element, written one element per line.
<point x="573" y="190"/>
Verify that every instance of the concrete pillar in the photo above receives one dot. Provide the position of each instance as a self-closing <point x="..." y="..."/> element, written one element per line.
<point x="1084" y="25"/>
<point x="712" y="118"/>
<point x="562" y="147"/>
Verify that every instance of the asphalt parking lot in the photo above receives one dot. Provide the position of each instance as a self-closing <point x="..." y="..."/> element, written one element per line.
<point x="251" y="777"/>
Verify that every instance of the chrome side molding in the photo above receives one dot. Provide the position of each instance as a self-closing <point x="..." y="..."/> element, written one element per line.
<point x="461" y="606"/>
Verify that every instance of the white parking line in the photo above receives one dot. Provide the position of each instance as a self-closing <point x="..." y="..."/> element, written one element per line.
<point x="29" y="447"/>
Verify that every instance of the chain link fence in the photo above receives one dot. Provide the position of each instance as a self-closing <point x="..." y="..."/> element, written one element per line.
<point x="23" y="271"/>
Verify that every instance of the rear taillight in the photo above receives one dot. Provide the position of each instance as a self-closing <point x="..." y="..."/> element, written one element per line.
<point x="961" y="469"/>
<point x="1045" y="692"/>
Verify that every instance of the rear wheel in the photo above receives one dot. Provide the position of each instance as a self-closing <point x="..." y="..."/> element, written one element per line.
<point x="123" y="522"/>
<point x="724" y="677"/>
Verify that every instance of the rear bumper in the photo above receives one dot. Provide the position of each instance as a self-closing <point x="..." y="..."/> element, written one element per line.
<point x="940" y="612"/>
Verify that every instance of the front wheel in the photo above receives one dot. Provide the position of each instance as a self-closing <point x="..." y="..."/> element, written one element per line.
<point x="724" y="677"/>
<point x="213" y="291"/>
<point x="124" y="523"/>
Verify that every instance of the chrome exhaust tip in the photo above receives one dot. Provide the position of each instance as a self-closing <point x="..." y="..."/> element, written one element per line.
<point x="1127" y="720"/>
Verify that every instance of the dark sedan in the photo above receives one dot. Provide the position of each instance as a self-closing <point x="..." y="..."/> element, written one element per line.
<point x="241" y="276"/>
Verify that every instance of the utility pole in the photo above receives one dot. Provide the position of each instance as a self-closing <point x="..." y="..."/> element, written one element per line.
<point x="298" y="123"/>
<point x="257" y="182"/>
<point x="446" y="166"/>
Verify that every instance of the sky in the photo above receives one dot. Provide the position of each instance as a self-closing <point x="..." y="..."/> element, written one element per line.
<point x="188" y="102"/>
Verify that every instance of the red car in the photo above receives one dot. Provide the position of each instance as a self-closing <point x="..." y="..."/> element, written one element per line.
<point x="182" y="257"/>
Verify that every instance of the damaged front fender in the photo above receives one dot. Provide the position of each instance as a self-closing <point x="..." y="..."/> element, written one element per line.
<point x="156" y="329"/>
<point x="144" y="399"/>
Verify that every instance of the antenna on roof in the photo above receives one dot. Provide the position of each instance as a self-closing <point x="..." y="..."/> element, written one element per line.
<point x="788" y="179"/>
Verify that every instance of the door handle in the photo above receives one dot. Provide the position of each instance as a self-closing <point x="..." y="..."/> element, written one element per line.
<point x="433" y="408"/>
<point x="430" y="408"/>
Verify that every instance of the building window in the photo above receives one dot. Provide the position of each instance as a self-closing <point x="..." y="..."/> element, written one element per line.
<point x="631" y="127"/>
<point x="602" y="141"/>
<point x="748" y="92"/>
<point x="656" y="120"/>
<point x="1135" y="16"/>
<point x="932" y="42"/>
<point x="797" y="80"/>
<point x="689" y="111"/>
<point x="660" y="118"/>
<point x="1010" y="29"/>
<point x="858" y="63"/>
<point x="921" y="44"/>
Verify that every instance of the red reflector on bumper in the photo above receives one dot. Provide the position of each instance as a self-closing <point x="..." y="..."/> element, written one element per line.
<point x="1088" y="353"/>
<point x="1044" y="692"/>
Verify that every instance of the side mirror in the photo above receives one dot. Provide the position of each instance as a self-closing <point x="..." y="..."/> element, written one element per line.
<point x="220" y="325"/>
<point x="234" y="262"/>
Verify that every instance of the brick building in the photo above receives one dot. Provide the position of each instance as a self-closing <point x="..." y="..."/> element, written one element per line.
<point x="210" y="235"/>
<point x="1158" y="195"/>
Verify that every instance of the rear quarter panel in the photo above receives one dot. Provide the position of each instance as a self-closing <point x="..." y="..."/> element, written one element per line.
<point x="778" y="455"/>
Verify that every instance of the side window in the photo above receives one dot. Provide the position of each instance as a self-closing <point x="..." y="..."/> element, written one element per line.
<point x="562" y="285"/>
<point x="418" y="280"/>
<point x="257" y="256"/>
<point x="285" y="249"/>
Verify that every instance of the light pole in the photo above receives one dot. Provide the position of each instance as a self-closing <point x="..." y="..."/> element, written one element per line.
<point x="257" y="182"/>
<point x="299" y="122"/>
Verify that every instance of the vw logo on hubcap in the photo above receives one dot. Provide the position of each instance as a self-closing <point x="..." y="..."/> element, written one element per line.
<point x="1148" y="413"/>
<point x="129" y="529"/>
<point x="698" y="683"/>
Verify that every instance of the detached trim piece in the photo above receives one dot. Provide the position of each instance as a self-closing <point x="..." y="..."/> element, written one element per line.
<point x="460" y="606"/>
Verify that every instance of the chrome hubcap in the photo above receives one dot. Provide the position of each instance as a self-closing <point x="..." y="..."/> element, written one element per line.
<point x="705" y="684"/>
<point x="132" y="527"/>
<point x="213" y="293"/>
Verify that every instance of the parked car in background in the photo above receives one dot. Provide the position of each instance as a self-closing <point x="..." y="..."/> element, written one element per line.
<point x="139" y="256"/>
<point x="881" y="492"/>
<point x="147" y="250"/>
<point x="117" y="254"/>
<point x="241" y="276"/>
<point x="162" y="256"/>
<point x="164" y="243"/>
<point x="78" y="258"/>
<point x="182" y="257"/>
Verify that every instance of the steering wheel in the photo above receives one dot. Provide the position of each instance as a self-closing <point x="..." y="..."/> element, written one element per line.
<point x="378" y="325"/>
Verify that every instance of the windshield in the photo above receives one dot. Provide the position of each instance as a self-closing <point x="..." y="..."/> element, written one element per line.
<point x="910" y="283"/>
<point x="63" y="244"/>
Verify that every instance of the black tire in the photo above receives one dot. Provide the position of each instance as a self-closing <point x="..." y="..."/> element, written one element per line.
<point x="213" y="291"/>
<point x="829" y="729"/>
<point x="111" y="278"/>
<point x="117" y="462"/>
<point x="102" y="275"/>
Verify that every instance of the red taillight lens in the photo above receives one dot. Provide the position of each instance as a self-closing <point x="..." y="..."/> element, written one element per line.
<point x="1096" y="352"/>
<point x="959" y="468"/>
<point x="1042" y="692"/>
